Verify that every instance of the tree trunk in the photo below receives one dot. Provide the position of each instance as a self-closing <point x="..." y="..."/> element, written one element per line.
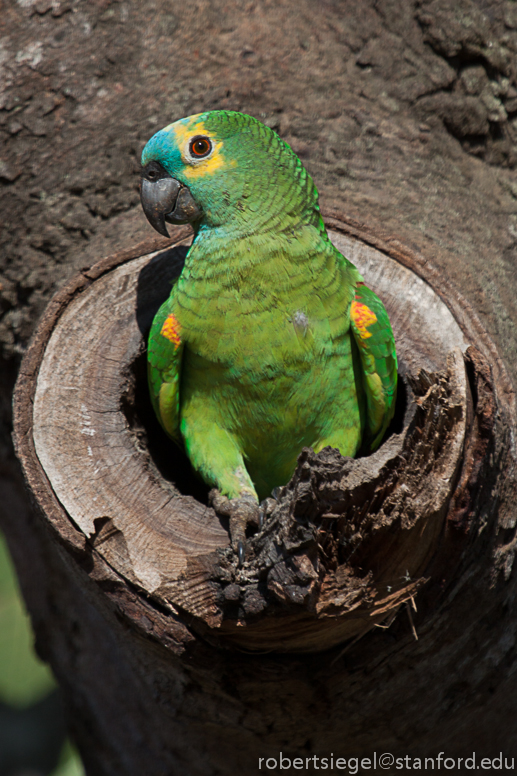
<point x="348" y="545"/>
<point x="172" y="658"/>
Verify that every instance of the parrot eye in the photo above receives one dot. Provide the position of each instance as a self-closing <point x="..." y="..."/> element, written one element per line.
<point x="200" y="147"/>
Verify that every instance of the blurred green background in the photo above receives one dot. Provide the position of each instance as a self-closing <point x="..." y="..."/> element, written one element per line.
<point x="33" y="735"/>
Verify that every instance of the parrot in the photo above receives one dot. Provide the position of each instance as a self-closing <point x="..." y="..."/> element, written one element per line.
<point x="270" y="340"/>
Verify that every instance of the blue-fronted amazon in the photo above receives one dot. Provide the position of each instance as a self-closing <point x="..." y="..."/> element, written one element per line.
<point x="270" y="340"/>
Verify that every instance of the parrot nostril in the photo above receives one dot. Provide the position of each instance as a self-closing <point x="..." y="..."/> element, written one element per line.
<point x="154" y="171"/>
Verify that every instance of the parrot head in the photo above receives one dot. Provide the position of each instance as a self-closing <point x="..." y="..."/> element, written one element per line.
<point x="224" y="169"/>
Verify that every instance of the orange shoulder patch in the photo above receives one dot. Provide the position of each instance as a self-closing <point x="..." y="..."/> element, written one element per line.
<point x="362" y="317"/>
<point x="171" y="330"/>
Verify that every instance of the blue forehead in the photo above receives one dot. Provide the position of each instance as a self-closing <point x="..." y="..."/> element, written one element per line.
<point x="162" y="146"/>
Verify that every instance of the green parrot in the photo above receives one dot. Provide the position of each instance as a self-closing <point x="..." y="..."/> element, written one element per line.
<point x="270" y="340"/>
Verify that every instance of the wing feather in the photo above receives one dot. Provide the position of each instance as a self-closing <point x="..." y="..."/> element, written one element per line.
<point x="165" y="350"/>
<point x="376" y="344"/>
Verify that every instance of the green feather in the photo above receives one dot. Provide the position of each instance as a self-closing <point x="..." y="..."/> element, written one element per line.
<point x="379" y="366"/>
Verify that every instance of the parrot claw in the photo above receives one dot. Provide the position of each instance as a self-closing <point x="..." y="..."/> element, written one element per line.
<point x="238" y="535"/>
<point x="265" y="509"/>
<point x="276" y="493"/>
<point x="261" y="518"/>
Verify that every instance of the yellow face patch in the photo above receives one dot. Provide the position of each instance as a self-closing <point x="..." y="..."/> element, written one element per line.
<point x="184" y="131"/>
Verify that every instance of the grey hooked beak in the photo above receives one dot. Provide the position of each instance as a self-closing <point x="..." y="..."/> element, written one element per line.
<point x="165" y="199"/>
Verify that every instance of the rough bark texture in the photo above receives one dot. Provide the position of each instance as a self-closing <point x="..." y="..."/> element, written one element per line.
<point x="404" y="113"/>
<point x="346" y="543"/>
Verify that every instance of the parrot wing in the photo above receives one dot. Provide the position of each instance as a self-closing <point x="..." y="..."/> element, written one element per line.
<point x="376" y="345"/>
<point x="164" y="367"/>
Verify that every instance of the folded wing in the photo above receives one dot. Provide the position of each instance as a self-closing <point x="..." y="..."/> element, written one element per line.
<point x="374" y="338"/>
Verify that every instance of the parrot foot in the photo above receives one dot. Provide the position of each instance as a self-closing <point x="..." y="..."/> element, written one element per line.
<point x="243" y="512"/>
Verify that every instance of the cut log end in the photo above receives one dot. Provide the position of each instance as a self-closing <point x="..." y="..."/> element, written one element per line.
<point x="345" y="544"/>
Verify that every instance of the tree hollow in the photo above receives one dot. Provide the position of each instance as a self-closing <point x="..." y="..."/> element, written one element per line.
<point x="345" y="544"/>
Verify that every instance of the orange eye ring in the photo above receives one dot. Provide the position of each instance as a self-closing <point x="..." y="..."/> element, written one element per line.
<point x="200" y="147"/>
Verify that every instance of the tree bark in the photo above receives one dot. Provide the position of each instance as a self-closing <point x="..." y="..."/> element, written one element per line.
<point x="345" y="546"/>
<point x="404" y="113"/>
